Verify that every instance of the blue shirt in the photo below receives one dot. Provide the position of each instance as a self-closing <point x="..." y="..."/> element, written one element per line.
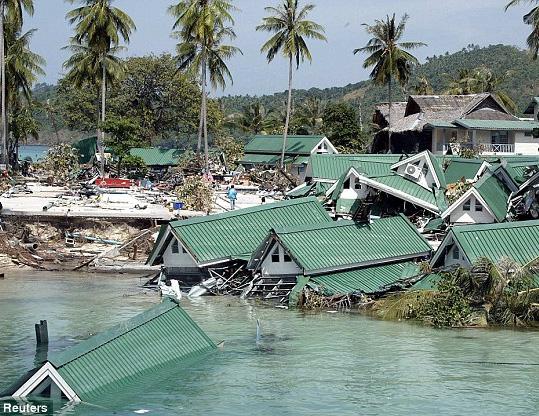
<point x="232" y="194"/>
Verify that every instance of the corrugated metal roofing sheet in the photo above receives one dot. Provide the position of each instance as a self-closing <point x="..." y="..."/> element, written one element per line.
<point x="153" y="156"/>
<point x="345" y="244"/>
<point x="459" y="168"/>
<point x="238" y="233"/>
<point x="516" y="125"/>
<point x="495" y="194"/>
<point x="331" y="167"/>
<point x="366" y="280"/>
<point x="87" y="149"/>
<point x="162" y="334"/>
<point x="295" y="145"/>
<point x="264" y="159"/>
<point x="516" y="240"/>
<point x="518" y="170"/>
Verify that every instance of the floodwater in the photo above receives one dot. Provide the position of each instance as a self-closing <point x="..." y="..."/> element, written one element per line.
<point x="306" y="364"/>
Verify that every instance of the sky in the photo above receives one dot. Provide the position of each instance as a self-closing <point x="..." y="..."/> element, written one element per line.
<point x="446" y="25"/>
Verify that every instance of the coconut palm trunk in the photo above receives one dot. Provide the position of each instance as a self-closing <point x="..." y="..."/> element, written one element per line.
<point x="205" y="115"/>
<point x="390" y="97"/>
<point x="103" y="109"/>
<point x="5" y="158"/>
<point x="288" y="110"/>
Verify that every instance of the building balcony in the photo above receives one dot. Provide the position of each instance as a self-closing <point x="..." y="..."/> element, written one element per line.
<point x="485" y="148"/>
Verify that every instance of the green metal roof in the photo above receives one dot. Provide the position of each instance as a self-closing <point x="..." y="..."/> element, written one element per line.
<point x="156" y="337"/>
<point x="428" y="282"/>
<point x="345" y="245"/>
<point x="295" y="145"/>
<point x="237" y="234"/>
<point x="516" y="125"/>
<point x="518" y="170"/>
<point x="403" y="185"/>
<point x="301" y="191"/>
<point x="441" y="124"/>
<point x="154" y="156"/>
<point x="459" y="168"/>
<point x="495" y="194"/>
<point x="87" y="149"/>
<point x="516" y="240"/>
<point x="367" y="280"/>
<point x="264" y="159"/>
<point x="331" y="167"/>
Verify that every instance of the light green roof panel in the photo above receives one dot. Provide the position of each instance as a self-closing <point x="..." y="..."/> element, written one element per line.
<point x="518" y="170"/>
<point x="516" y="125"/>
<point x="158" y="336"/>
<point x="428" y="282"/>
<point x="260" y="159"/>
<point x="331" y="167"/>
<point x="441" y="124"/>
<point x="295" y="145"/>
<point x="367" y="280"/>
<point x="413" y="189"/>
<point x="237" y="234"/>
<point x="516" y="240"/>
<point x="459" y="168"/>
<point x="495" y="194"/>
<point x="153" y="156"/>
<point x="345" y="244"/>
<point x="300" y="191"/>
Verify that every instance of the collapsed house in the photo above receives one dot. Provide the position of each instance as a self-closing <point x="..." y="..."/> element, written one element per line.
<point x="164" y="335"/>
<point x="220" y="245"/>
<point x="265" y="151"/>
<point x="447" y="123"/>
<point x="157" y="160"/>
<point x="342" y="257"/>
<point x="465" y="244"/>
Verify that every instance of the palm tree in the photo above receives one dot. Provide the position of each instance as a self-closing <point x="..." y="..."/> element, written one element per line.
<point x="254" y="118"/>
<point x="389" y="56"/>
<point x="532" y="19"/>
<point x="100" y="27"/>
<point x="463" y="84"/>
<point x="12" y="9"/>
<point x="202" y="50"/>
<point x="310" y="114"/>
<point x="422" y="87"/>
<point x="22" y="70"/>
<point x="290" y="28"/>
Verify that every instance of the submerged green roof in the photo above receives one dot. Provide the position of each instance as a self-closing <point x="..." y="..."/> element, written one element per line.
<point x="495" y="194"/>
<point x="367" y="280"/>
<point x="154" y="156"/>
<point x="163" y="334"/>
<point x="516" y="240"/>
<point x="237" y="234"/>
<point x="295" y="145"/>
<point x="345" y="245"/>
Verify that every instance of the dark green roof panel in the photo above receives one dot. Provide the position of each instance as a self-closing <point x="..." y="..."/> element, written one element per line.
<point x="295" y="145"/>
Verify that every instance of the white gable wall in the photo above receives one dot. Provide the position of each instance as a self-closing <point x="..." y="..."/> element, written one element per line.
<point x="455" y="256"/>
<point x="460" y="216"/>
<point x="356" y="189"/>
<point x="180" y="259"/>
<point x="280" y="268"/>
<point x="426" y="179"/>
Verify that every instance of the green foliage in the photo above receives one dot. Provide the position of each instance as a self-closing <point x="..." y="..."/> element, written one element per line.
<point x="123" y="134"/>
<point x="196" y="194"/>
<point x="134" y="166"/>
<point x="232" y="149"/>
<point x="341" y="125"/>
<point x="61" y="163"/>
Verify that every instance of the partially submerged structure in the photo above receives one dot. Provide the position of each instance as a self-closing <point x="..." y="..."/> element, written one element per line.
<point x="446" y="123"/>
<point x="341" y="257"/>
<point x="464" y="245"/>
<point x="220" y="245"/>
<point x="162" y="336"/>
<point x="266" y="151"/>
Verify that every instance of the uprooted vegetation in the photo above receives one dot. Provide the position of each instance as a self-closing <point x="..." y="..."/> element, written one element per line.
<point x="501" y="294"/>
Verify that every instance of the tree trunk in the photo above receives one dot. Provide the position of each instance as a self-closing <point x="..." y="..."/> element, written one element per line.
<point x="201" y="123"/>
<point x="205" y="118"/>
<point x="390" y="90"/>
<point x="103" y="108"/>
<point x="288" y="110"/>
<point x="5" y="157"/>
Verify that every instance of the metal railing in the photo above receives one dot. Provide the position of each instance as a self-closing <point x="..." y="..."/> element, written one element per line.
<point x="486" y="148"/>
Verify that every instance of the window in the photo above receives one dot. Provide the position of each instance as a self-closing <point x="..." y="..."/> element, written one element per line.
<point x="347" y="184"/>
<point x="478" y="206"/>
<point x="500" y="137"/>
<point x="184" y="251"/>
<point x="456" y="253"/>
<point x="467" y="205"/>
<point x="287" y="258"/>
<point x="357" y="184"/>
<point x="275" y="256"/>
<point x="175" y="247"/>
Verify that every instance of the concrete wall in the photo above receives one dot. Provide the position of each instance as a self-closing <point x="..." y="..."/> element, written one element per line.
<point x="281" y="268"/>
<point x="455" y="256"/>
<point x="181" y="259"/>
<point x="526" y="145"/>
<point x="459" y="216"/>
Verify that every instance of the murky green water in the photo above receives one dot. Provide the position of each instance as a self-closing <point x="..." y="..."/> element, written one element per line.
<point x="314" y="364"/>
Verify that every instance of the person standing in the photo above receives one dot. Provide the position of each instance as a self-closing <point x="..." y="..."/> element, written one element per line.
<point x="232" y="196"/>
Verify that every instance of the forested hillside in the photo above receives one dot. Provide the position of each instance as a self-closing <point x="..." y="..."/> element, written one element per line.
<point x="521" y="80"/>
